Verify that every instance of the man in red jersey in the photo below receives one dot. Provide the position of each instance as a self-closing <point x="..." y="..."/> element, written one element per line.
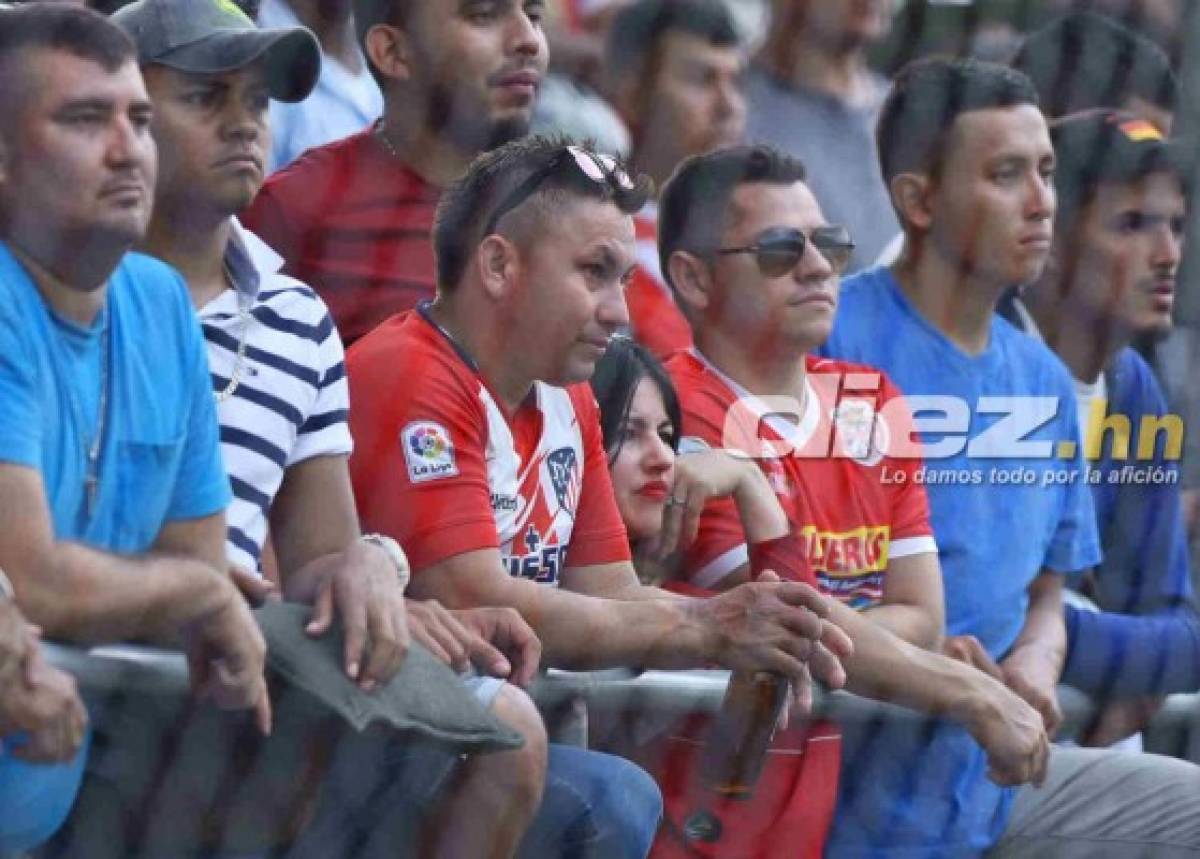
<point x="756" y="269"/>
<point x="756" y="266"/>
<point x="353" y="218"/>
<point x="479" y="449"/>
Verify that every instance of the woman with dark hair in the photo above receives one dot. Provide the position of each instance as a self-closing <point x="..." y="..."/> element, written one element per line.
<point x="660" y="494"/>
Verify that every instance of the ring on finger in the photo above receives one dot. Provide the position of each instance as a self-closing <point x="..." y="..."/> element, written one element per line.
<point x="675" y="502"/>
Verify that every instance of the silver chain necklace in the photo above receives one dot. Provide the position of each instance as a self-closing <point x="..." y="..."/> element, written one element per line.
<point x="235" y="377"/>
<point x="91" y="480"/>
<point x="244" y="321"/>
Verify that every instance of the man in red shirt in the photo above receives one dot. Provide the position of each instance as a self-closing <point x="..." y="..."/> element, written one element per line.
<point x="674" y="70"/>
<point x="353" y="218"/>
<point x="756" y="267"/>
<point x="479" y="448"/>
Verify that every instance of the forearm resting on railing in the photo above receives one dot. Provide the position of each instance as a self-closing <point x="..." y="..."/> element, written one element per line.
<point x="82" y="595"/>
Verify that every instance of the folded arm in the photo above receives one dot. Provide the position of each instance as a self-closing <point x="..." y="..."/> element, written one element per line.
<point x="78" y="593"/>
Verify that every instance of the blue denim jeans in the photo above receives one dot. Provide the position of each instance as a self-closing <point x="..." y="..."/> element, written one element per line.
<point x="595" y="805"/>
<point x="35" y="799"/>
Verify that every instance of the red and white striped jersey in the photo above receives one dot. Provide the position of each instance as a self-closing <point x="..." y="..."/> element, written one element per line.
<point x="441" y="468"/>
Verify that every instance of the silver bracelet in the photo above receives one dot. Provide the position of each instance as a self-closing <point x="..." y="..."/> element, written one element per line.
<point x="6" y="588"/>
<point x="395" y="554"/>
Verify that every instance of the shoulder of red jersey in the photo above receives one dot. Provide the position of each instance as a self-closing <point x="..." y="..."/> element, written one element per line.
<point x="356" y="160"/>
<point x="414" y="354"/>
<point x="693" y="378"/>
<point x="704" y="398"/>
<point x="684" y="364"/>
<point x="319" y="159"/>
<point x="407" y="381"/>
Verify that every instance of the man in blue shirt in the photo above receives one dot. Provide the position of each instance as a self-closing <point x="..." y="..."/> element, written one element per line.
<point x="112" y="492"/>
<point x="968" y="161"/>
<point x="1118" y="245"/>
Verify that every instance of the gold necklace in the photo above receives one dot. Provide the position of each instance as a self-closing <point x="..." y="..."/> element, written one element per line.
<point x="244" y="320"/>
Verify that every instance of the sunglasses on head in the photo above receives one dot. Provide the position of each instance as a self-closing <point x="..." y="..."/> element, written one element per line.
<point x="778" y="249"/>
<point x="599" y="168"/>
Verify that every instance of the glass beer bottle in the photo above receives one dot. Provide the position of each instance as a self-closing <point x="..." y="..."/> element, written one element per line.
<point x="737" y="746"/>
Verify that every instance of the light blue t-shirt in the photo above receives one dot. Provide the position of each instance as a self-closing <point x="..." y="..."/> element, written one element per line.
<point x="924" y="792"/>
<point x="35" y="798"/>
<point x="160" y="459"/>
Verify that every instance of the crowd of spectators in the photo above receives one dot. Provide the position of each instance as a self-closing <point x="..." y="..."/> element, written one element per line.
<point x="378" y="355"/>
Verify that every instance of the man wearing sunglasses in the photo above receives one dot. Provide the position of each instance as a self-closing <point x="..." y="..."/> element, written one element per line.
<point x="478" y="444"/>
<point x="755" y="268"/>
<point x="969" y="162"/>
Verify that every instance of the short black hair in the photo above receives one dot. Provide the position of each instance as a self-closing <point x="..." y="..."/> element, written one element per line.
<point x="76" y="30"/>
<point x="693" y="208"/>
<point x="926" y="98"/>
<point x="1085" y="60"/>
<point x="638" y="30"/>
<point x="468" y="204"/>
<point x="625" y="363"/>
<point x="1105" y="147"/>
<point x="371" y="13"/>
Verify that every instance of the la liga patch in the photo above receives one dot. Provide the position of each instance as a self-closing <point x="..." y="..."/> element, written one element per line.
<point x="428" y="451"/>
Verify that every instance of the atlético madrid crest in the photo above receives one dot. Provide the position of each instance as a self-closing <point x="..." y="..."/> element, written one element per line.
<point x="564" y="477"/>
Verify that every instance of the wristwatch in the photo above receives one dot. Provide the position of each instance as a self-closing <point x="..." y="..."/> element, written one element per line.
<point x="395" y="554"/>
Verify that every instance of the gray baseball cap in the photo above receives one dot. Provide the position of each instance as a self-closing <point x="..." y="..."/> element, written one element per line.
<point x="214" y="36"/>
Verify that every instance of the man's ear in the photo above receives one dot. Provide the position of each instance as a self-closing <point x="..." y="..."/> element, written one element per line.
<point x="692" y="279"/>
<point x="388" y="49"/>
<point x="496" y="259"/>
<point x="912" y="197"/>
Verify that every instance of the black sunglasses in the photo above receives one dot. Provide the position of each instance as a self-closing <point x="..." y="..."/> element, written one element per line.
<point x="778" y="249"/>
<point x="599" y="168"/>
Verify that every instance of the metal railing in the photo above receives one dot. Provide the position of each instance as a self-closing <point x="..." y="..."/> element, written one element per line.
<point x="128" y="669"/>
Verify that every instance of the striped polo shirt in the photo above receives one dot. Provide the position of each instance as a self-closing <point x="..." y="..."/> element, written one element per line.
<point x="290" y="403"/>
